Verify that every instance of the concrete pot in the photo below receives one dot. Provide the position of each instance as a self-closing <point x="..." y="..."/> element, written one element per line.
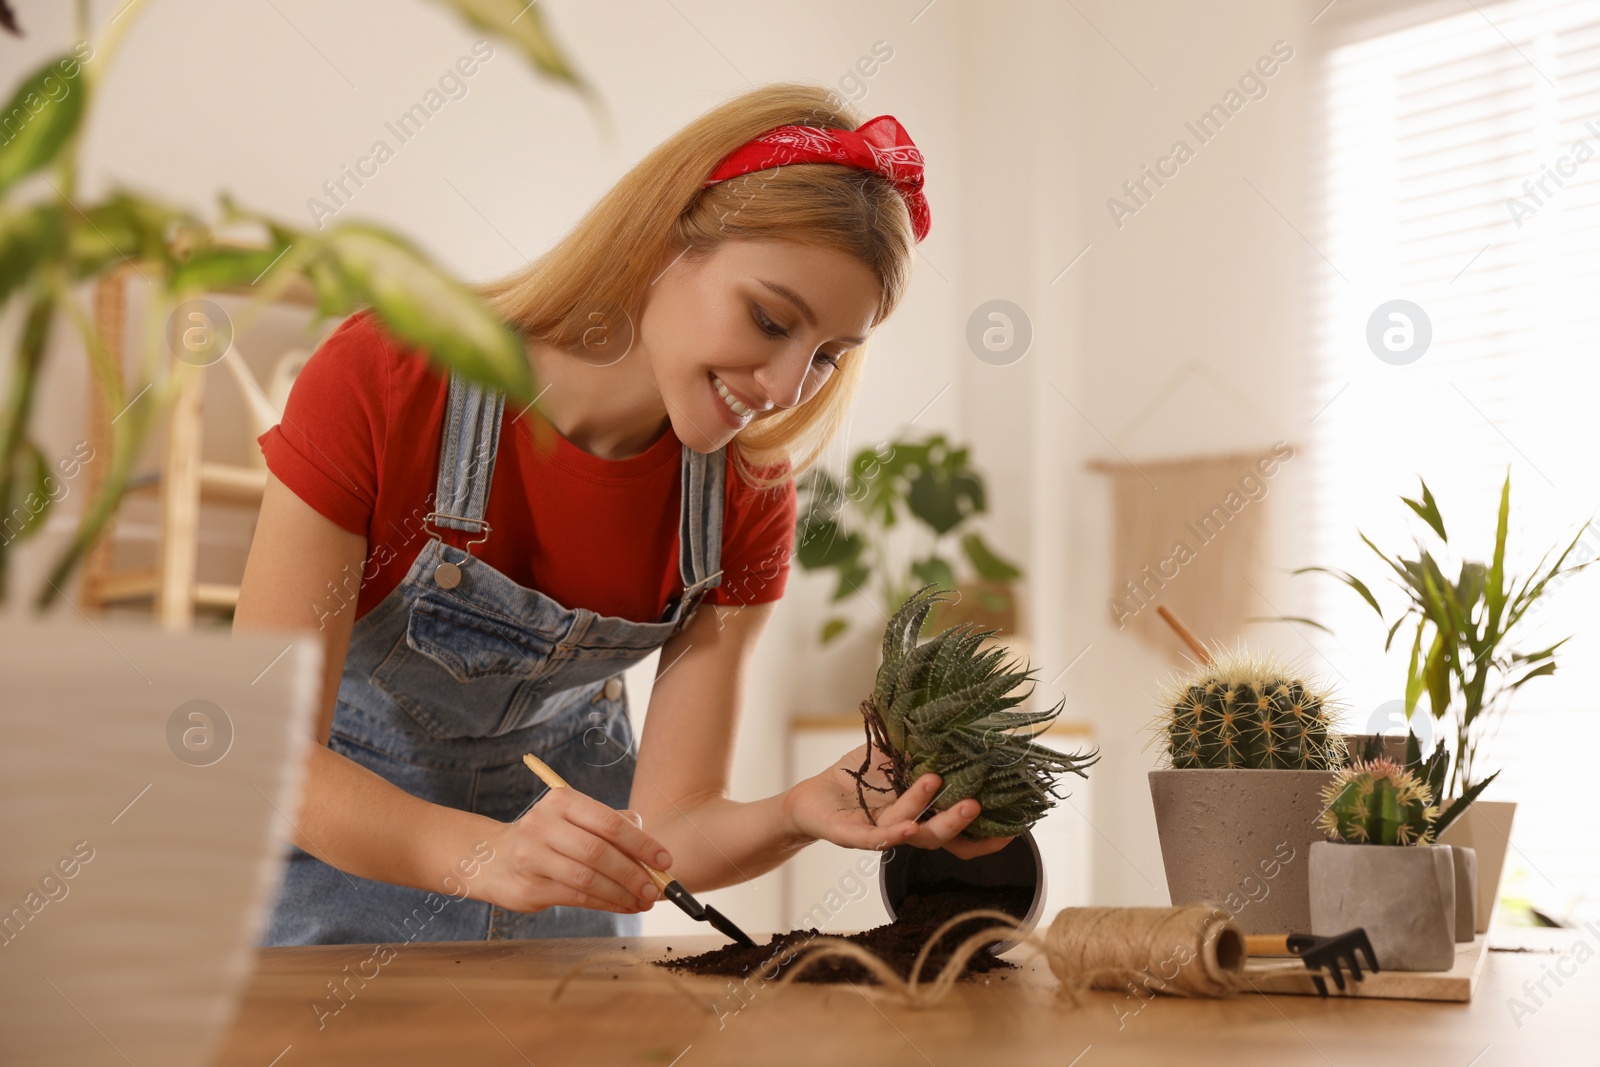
<point x="1018" y="864"/>
<point x="1394" y="746"/>
<point x="1239" y="838"/>
<point x="1466" y="870"/>
<point x="1485" y="827"/>
<point x="1404" y="896"/>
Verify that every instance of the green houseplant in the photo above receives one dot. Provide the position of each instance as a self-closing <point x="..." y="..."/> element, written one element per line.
<point x="1380" y="870"/>
<point x="1463" y="630"/>
<point x="929" y="481"/>
<point x="1249" y="742"/>
<point x="949" y="706"/>
<point x="51" y="244"/>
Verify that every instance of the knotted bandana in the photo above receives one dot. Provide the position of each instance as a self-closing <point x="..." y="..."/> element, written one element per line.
<point x="880" y="145"/>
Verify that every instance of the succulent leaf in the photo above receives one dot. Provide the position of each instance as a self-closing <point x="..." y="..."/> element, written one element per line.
<point x="949" y="706"/>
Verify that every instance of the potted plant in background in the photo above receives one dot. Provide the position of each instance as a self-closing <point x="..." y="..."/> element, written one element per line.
<point x="1249" y="746"/>
<point x="931" y="482"/>
<point x="1380" y="870"/>
<point x="1431" y="773"/>
<point x="948" y="706"/>
<point x="1461" y="657"/>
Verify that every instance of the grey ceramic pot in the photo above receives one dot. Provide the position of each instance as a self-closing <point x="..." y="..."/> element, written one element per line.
<point x="1404" y="896"/>
<point x="1240" y="839"/>
<point x="905" y="868"/>
<point x="1466" y="868"/>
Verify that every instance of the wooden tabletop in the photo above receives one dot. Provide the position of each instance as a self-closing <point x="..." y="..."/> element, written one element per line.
<point x="488" y="1003"/>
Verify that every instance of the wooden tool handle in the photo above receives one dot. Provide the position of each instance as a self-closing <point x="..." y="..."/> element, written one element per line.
<point x="1267" y="944"/>
<point x="1183" y="631"/>
<point x="545" y="772"/>
<point x="555" y="781"/>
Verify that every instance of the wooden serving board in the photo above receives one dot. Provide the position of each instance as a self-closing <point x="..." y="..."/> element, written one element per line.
<point x="1456" y="984"/>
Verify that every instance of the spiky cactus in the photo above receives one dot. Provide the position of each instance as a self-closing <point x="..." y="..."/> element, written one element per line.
<point x="944" y="706"/>
<point x="1378" y="802"/>
<point x="1246" y="710"/>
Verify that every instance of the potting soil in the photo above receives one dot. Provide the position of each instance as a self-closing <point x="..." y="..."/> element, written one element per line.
<point x="896" y="943"/>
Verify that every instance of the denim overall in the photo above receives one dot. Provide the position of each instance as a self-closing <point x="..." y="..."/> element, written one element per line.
<point x="445" y="688"/>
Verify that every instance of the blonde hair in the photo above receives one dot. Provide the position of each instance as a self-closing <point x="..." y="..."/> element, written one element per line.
<point x="609" y="259"/>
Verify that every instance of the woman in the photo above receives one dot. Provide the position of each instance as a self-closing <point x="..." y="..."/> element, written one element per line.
<point x="483" y="576"/>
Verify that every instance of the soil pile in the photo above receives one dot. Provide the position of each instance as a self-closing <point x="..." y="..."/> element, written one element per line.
<point x="897" y="943"/>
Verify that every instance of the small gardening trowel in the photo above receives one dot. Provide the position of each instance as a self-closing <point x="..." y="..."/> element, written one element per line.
<point x="670" y="887"/>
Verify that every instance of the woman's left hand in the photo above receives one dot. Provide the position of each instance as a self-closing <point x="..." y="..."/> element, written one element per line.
<point x="825" y="807"/>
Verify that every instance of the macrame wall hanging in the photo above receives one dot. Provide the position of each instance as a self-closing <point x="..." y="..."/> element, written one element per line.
<point x="1192" y="534"/>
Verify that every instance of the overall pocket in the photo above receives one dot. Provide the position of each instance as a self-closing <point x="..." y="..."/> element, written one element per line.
<point x="460" y="672"/>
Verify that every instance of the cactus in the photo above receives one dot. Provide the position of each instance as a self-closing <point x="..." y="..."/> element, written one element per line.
<point x="947" y="705"/>
<point x="1378" y="802"/>
<point x="1246" y="710"/>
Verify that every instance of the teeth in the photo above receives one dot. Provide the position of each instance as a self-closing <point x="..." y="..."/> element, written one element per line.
<point x="739" y="409"/>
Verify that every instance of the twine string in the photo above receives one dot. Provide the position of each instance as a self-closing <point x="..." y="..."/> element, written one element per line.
<point x="1190" y="951"/>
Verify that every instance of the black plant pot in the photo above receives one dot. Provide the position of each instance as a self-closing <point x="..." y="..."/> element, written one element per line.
<point x="905" y="868"/>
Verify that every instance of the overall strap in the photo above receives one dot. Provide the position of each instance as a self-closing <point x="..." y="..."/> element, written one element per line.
<point x="467" y="448"/>
<point x="700" y="526"/>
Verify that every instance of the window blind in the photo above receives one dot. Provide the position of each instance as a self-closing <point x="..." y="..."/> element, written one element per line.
<point x="1460" y="171"/>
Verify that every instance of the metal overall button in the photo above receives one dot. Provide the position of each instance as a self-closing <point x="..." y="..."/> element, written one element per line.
<point x="447" y="575"/>
<point x="612" y="690"/>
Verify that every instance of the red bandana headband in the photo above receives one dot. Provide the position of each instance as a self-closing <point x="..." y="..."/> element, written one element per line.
<point x="880" y="145"/>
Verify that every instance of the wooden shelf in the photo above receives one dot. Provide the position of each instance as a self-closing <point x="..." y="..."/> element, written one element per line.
<point x="124" y="586"/>
<point x="220" y="483"/>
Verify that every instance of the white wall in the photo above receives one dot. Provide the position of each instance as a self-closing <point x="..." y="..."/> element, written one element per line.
<point x="1030" y="116"/>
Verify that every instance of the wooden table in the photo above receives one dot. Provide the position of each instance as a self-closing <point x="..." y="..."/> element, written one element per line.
<point x="488" y="1003"/>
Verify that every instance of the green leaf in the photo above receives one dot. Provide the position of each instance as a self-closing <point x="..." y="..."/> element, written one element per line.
<point x="1461" y="803"/>
<point x="1390" y="639"/>
<point x="833" y="628"/>
<point x="29" y="238"/>
<point x="37" y="471"/>
<point x="124" y="226"/>
<point x="1289" y="618"/>
<point x="1538" y="672"/>
<point x="985" y="562"/>
<point x="1495" y="587"/>
<point x="1414" y="681"/>
<point x="823" y="544"/>
<point x="1435" y="673"/>
<point x="934" y="498"/>
<point x="217" y="268"/>
<point x="49" y="105"/>
<point x="1428" y="510"/>
<point x="852" y="576"/>
<point x="1348" y="579"/>
<point x="427" y="308"/>
<point x="521" y="24"/>
<point x="934" y="571"/>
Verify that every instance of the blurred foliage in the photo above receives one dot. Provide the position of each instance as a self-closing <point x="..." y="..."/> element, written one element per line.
<point x="52" y="244"/>
<point x="930" y="481"/>
<point x="1460" y="636"/>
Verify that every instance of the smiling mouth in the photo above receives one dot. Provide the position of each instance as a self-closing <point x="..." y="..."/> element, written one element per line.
<point x="741" y="411"/>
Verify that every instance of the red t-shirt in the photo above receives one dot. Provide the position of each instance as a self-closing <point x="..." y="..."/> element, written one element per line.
<point x="359" y="442"/>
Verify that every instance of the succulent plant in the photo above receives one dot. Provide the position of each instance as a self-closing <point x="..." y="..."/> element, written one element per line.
<point x="1247" y="710"/>
<point x="1378" y="802"/>
<point x="945" y="706"/>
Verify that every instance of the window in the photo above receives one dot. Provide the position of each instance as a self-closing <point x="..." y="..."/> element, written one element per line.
<point x="1461" y="172"/>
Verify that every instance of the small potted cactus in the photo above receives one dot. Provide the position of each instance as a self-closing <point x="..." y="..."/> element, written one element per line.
<point x="1250" y="745"/>
<point x="1380" y="870"/>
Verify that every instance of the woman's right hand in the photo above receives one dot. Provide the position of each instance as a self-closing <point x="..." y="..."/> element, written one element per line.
<point x="572" y="850"/>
